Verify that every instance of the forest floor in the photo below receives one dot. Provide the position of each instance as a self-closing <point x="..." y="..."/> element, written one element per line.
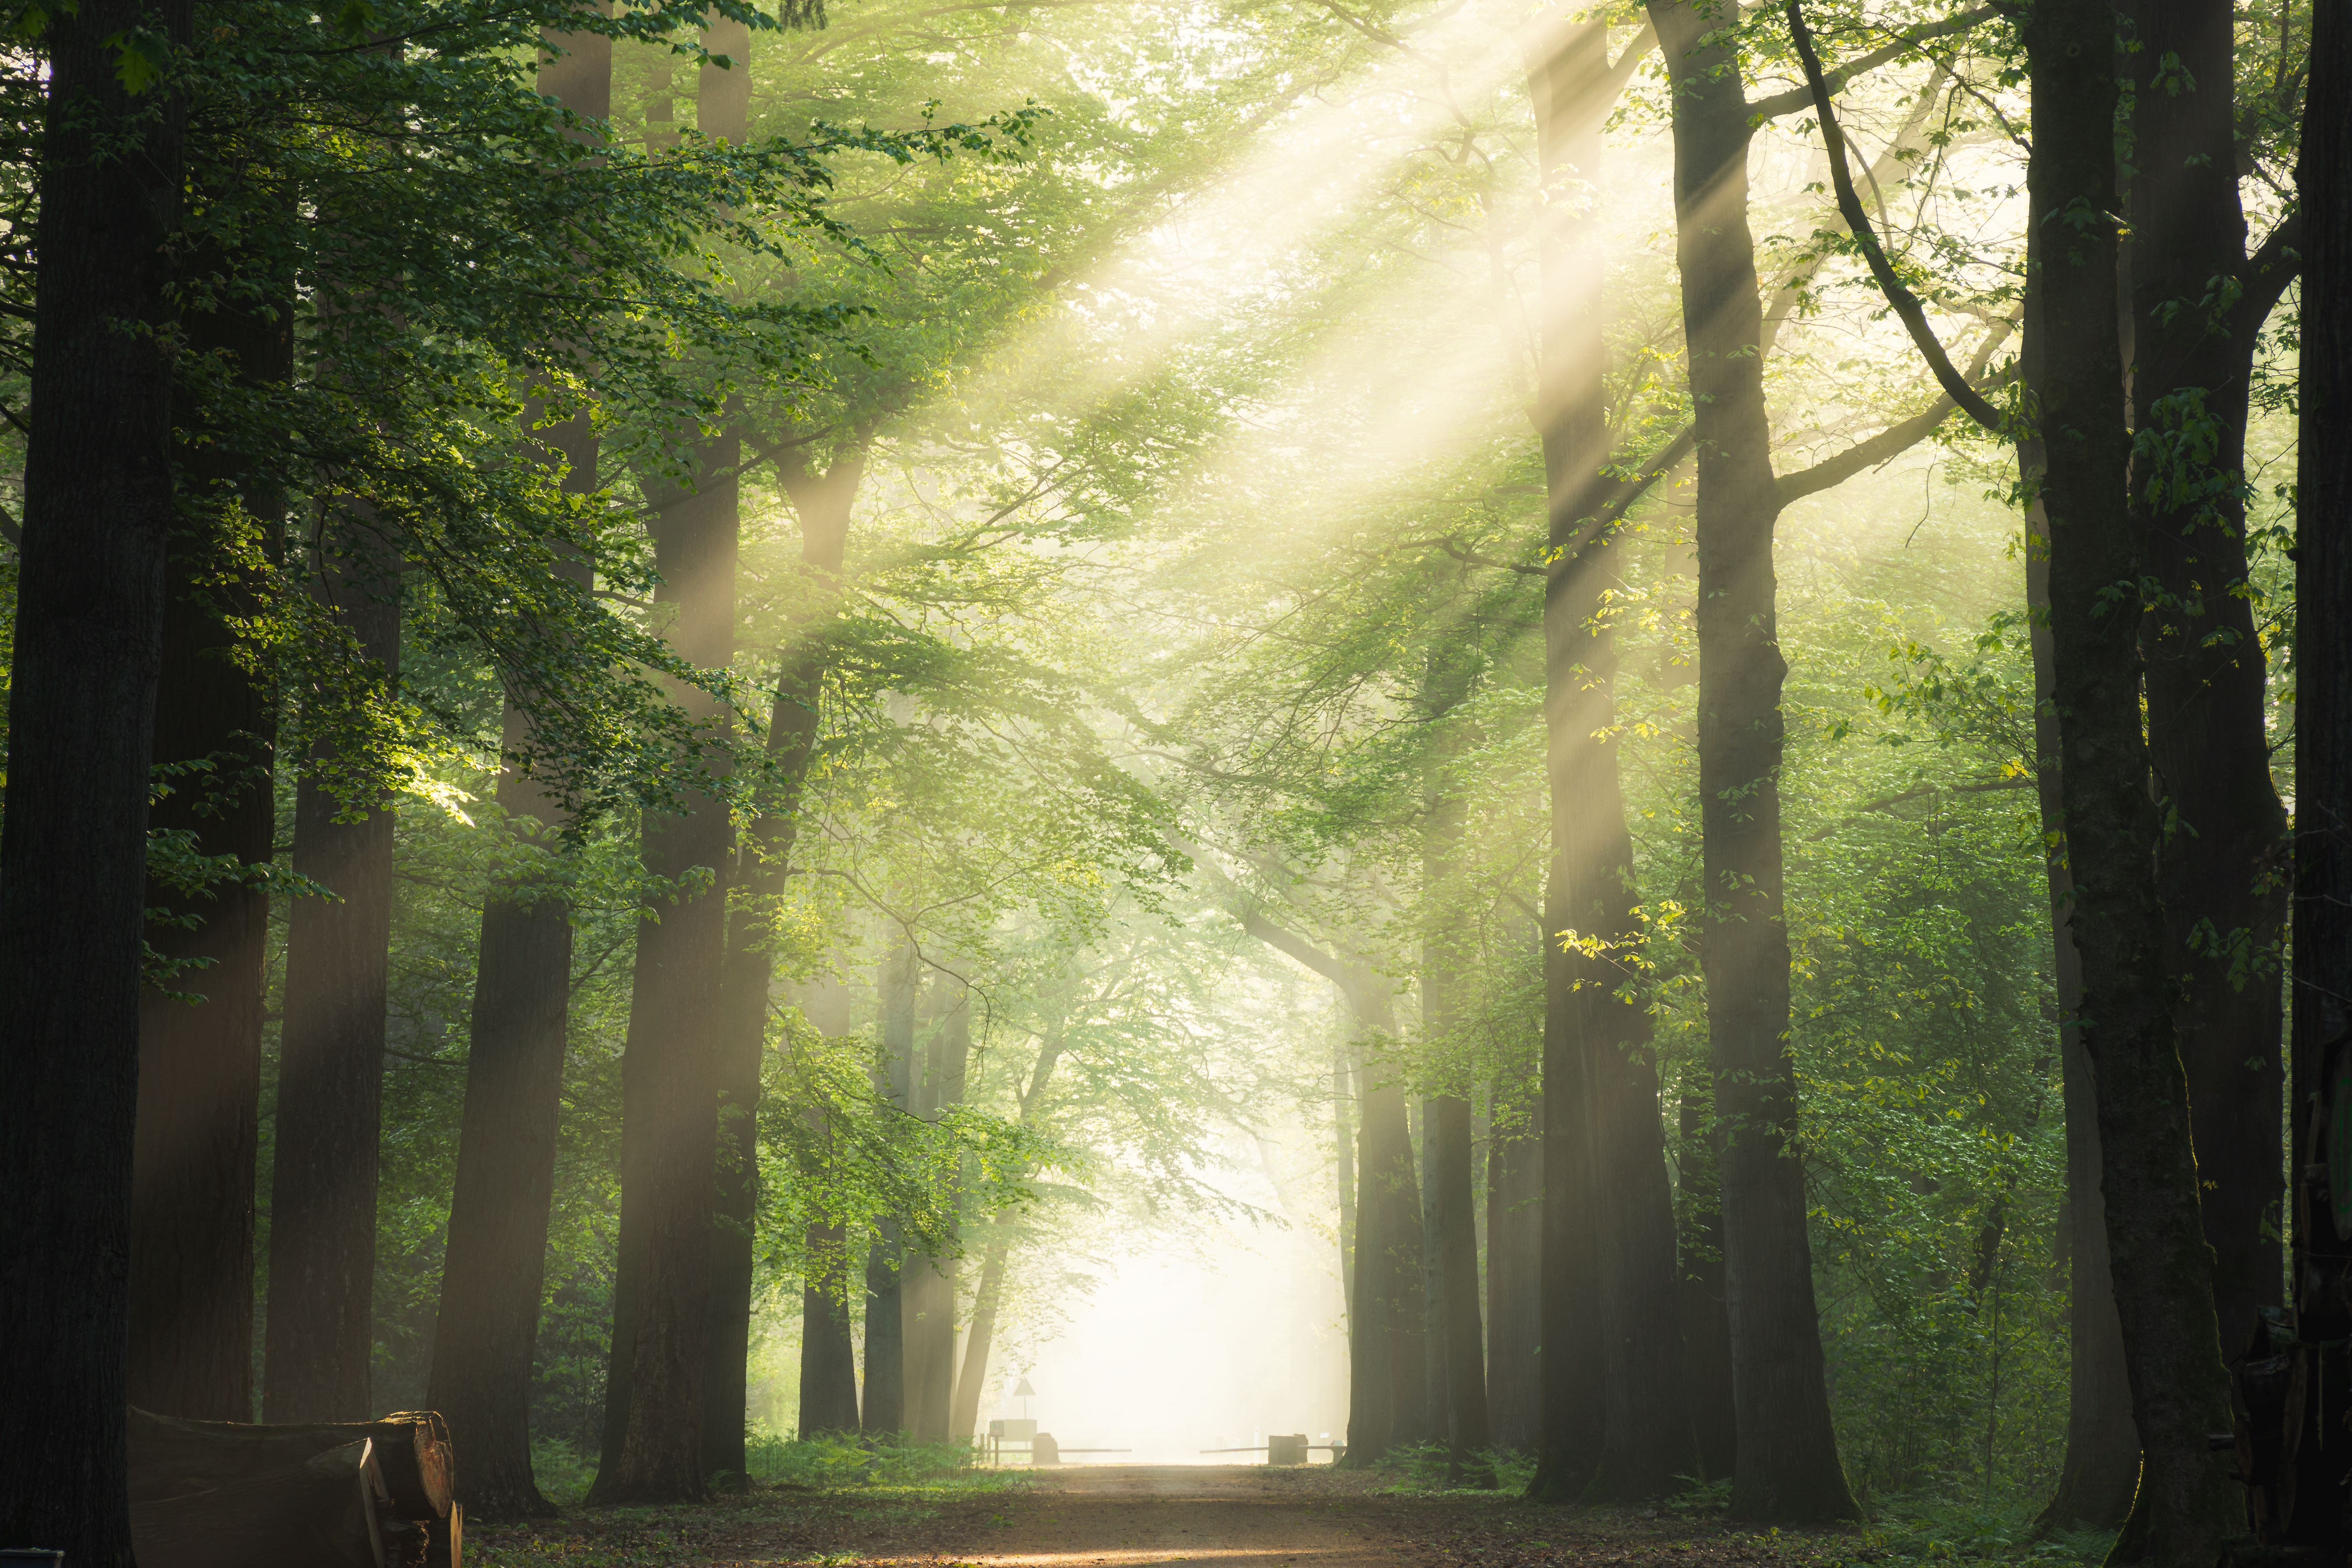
<point x="1196" y="1515"/>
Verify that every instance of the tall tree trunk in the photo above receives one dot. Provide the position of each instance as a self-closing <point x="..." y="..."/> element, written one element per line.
<point x="930" y="1305"/>
<point x="487" y="1330"/>
<point x="822" y="502"/>
<point x="1457" y="1350"/>
<point x="1343" y="1158"/>
<point x="885" y="1337"/>
<point x="319" y="1341"/>
<point x="81" y="703"/>
<point x="669" y="1122"/>
<point x="2223" y="879"/>
<point x="1514" y="1265"/>
<point x="1454" y="1190"/>
<point x="1388" y="1284"/>
<point x="1436" y="1395"/>
<point x="2322" y="758"/>
<point x="1704" y="1313"/>
<point x="2160" y="1262"/>
<point x="1643" y="1415"/>
<point x="199" y="1131"/>
<point x="2101" y="1469"/>
<point x="1788" y="1465"/>
<point x="973" y="1377"/>
<point x="828" y="1355"/>
<point x="1566" y="77"/>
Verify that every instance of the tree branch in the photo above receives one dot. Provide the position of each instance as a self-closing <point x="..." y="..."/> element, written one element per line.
<point x="2277" y="263"/>
<point x="1289" y="944"/>
<point x="1907" y="304"/>
<point x="1799" y="98"/>
<point x="1888" y="444"/>
<point x="1923" y="792"/>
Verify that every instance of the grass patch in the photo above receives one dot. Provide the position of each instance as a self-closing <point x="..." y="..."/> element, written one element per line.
<point x="833" y="1462"/>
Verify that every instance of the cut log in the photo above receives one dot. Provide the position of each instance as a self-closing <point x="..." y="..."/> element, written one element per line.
<point x="321" y="1511"/>
<point x="172" y="1457"/>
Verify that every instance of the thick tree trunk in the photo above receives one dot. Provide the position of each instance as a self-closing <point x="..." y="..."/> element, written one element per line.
<point x="2160" y="1262"/>
<point x="1568" y="71"/>
<point x="885" y="1337"/>
<point x="670" y="1123"/>
<point x="1514" y="1273"/>
<point x="2101" y="1469"/>
<point x="1644" y="1415"/>
<point x="1704" y="1313"/>
<point x="2223" y="878"/>
<point x="81" y="704"/>
<point x="319" y="1339"/>
<point x="488" y="1328"/>
<point x="1388" y="1376"/>
<point x="1788" y="1465"/>
<point x="191" y="1244"/>
<point x="828" y="1356"/>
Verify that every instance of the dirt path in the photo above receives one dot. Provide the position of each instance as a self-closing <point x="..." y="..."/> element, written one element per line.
<point x="1149" y="1516"/>
<point x="1229" y="1516"/>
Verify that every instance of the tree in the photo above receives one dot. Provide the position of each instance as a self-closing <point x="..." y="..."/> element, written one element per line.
<point x="1788" y="1465"/>
<point x="2160" y="1262"/>
<point x="192" y="1248"/>
<point x="89" y="639"/>
<point x="487" y="1323"/>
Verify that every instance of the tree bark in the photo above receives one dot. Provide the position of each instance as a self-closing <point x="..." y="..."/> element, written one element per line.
<point x="1462" y="1342"/>
<point x="2223" y="878"/>
<point x="2322" y="764"/>
<point x="829" y="1358"/>
<point x="1513" y="1272"/>
<point x="979" y="1340"/>
<point x="199" y="1130"/>
<point x="1644" y="1415"/>
<point x="81" y="704"/>
<point x="486" y="1329"/>
<point x="669" y="1122"/>
<point x="1343" y="1159"/>
<point x="822" y="502"/>
<point x="885" y="1337"/>
<point x="1436" y="1395"/>
<point x="931" y="1304"/>
<point x="491" y="1281"/>
<point x="2161" y="1265"/>
<point x="1704" y="1313"/>
<point x="1567" y="80"/>
<point x="1788" y="1464"/>
<point x="1456" y="1350"/>
<point x="318" y="1341"/>
<point x="2101" y="1471"/>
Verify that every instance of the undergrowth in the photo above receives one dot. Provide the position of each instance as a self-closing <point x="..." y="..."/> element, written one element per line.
<point x="830" y="1463"/>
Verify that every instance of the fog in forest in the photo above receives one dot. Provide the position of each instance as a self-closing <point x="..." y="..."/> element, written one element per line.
<point x="1600" y="750"/>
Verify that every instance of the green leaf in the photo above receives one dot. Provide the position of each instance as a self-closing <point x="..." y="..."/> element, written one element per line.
<point x="141" y="58"/>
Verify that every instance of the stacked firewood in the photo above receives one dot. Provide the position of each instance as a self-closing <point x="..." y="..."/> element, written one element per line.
<point x="221" y="1494"/>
